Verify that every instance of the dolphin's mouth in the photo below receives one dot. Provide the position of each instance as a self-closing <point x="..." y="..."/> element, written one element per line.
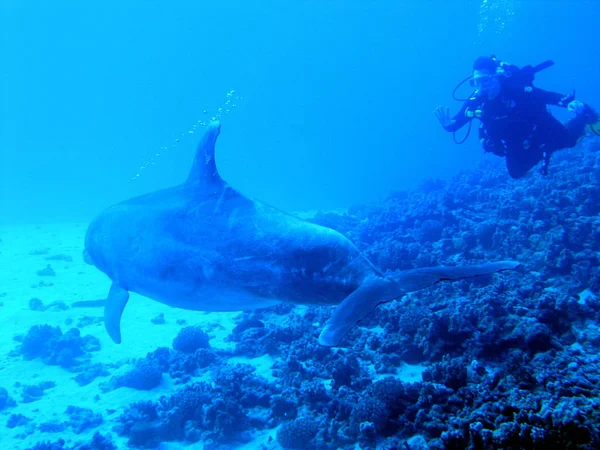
<point x="87" y="258"/>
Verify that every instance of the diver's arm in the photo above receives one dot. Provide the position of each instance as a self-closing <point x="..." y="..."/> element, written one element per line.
<point x="552" y="98"/>
<point x="459" y="120"/>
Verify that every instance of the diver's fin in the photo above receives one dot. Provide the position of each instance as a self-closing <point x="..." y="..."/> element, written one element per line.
<point x="374" y="291"/>
<point x="586" y="114"/>
<point x="594" y="126"/>
<point x="415" y="279"/>
<point x="204" y="173"/>
<point x="115" y="304"/>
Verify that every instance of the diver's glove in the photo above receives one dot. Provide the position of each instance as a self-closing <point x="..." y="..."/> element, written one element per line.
<point x="566" y="100"/>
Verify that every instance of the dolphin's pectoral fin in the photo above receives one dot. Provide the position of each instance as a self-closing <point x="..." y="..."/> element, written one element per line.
<point x="115" y="304"/>
<point x="415" y="279"/>
<point x="88" y="303"/>
<point x="358" y="305"/>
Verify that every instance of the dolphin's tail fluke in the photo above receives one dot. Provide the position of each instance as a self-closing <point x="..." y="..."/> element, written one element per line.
<point x="358" y="305"/>
<point x="377" y="289"/>
<point x="415" y="279"/>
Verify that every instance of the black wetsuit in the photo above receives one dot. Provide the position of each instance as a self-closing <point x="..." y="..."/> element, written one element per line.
<point x="518" y="125"/>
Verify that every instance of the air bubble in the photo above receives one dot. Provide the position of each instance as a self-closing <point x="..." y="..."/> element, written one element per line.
<point x="230" y="102"/>
<point x="495" y="17"/>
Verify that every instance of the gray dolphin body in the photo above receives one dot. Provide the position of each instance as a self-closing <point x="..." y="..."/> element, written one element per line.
<point x="203" y="246"/>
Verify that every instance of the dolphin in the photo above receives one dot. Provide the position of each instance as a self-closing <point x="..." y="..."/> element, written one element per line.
<point x="204" y="246"/>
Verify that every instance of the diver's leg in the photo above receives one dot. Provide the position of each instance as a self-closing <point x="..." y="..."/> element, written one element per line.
<point x="550" y="135"/>
<point x="520" y="160"/>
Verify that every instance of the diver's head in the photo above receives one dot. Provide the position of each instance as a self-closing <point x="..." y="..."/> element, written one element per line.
<point x="485" y="77"/>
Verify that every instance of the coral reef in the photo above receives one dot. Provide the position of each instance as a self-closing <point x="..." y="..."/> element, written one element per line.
<point x="505" y="361"/>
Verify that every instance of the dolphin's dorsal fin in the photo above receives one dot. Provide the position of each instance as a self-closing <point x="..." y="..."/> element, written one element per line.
<point x="204" y="171"/>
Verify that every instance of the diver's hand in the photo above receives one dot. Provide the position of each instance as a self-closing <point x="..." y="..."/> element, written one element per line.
<point x="443" y="115"/>
<point x="576" y="107"/>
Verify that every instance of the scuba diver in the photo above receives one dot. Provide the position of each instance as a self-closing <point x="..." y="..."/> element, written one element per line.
<point x="515" y="122"/>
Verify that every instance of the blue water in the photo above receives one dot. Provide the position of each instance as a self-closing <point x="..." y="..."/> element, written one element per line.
<point x="326" y="109"/>
<point x="336" y="97"/>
